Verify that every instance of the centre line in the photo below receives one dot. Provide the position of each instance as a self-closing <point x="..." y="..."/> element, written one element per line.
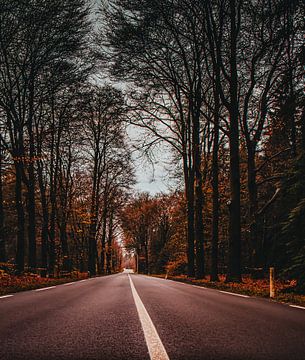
<point x="154" y="344"/>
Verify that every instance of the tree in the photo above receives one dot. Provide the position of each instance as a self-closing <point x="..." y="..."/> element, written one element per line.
<point x="167" y="63"/>
<point x="104" y="113"/>
<point x="37" y="34"/>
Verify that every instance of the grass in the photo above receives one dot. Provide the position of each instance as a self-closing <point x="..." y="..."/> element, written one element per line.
<point x="284" y="290"/>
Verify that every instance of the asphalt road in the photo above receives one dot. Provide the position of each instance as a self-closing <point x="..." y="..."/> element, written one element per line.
<point x="137" y="317"/>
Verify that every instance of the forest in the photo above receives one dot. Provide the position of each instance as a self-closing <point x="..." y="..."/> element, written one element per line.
<point x="216" y="84"/>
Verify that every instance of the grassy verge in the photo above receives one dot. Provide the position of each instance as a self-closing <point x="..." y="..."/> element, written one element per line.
<point x="259" y="288"/>
<point x="11" y="283"/>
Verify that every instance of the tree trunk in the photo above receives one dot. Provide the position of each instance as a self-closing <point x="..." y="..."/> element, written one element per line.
<point x="31" y="206"/>
<point x="190" y="225"/>
<point x="234" y="268"/>
<point x="189" y="197"/>
<point x="103" y="239"/>
<point x="146" y="255"/>
<point x="31" y="216"/>
<point x="253" y="207"/>
<point x="303" y="130"/>
<point x="45" y="223"/>
<point x="199" y="236"/>
<point x="53" y="195"/>
<point x="215" y="195"/>
<point x="92" y="248"/>
<point x="64" y="243"/>
<point x="234" y="264"/>
<point x="92" y="255"/>
<point x="63" y="223"/>
<point x="2" y="235"/>
<point x="109" y="247"/>
<point x="20" y="217"/>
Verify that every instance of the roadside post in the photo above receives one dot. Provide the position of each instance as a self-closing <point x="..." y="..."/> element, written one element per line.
<point x="272" y="287"/>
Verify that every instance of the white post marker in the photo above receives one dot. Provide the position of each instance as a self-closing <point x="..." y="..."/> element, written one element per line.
<point x="272" y="288"/>
<point x="166" y="275"/>
<point x="154" y="344"/>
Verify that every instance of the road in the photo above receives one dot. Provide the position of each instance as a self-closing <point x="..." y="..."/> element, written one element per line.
<point x="129" y="317"/>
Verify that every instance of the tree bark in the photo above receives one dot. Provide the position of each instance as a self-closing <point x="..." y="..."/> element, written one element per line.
<point x="199" y="236"/>
<point x="215" y="195"/>
<point x="256" y="243"/>
<point x="2" y="235"/>
<point x="20" y="217"/>
<point x="109" y="246"/>
<point x="31" y="215"/>
<point x="234" y="263"/>
<point x="54" y="165"/>
<point x="93" y="218"/>
<point x="103" y="237"/>
<point x="146" y="253"/>
<point x="303" y="130"/>
<point x="45" y="222"/>
<point x="189" y="184"/>
<point x="31" y="206"/>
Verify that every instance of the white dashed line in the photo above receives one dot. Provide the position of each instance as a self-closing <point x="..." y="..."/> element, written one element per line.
<point x="298" y="307"/>
<point x="70" y="283"/>
<point x="235" y="294"/>
<point x="154" y="344"/>
<point x="46" y="288"/>
<point x="207" y="288"/>
<point x="187" y="284"/>
<point x="5" y="296"/>
<point x="198" y="286"/>
<point x="83" y="280"/>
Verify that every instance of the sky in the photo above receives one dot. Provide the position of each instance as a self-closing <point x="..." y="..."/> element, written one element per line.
<point x="152" y="176"/>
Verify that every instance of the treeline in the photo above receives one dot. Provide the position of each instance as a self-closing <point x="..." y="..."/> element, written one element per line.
<point x="221" y="83"/>
<point x="64" y="162"/>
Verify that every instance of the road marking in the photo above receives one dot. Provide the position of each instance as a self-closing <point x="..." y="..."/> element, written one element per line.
<point x="187" y="284"/>
<point x="83" y="280"/>
<point x="70" y="283"/>
<point x="298" y="307"/>
<point x="235" y="294"/>
<point x="154" y="344"/>
<point x="46" y="288"/>
<point x="5" y="296"/>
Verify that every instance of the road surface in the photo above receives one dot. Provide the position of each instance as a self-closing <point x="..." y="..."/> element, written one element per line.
<point x="128" y="316"/>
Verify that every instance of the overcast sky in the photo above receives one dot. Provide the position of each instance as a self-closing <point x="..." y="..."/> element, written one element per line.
<point x="152" y="176"/>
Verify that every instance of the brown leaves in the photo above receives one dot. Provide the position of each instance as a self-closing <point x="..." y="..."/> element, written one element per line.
<point x="13" y="283"/>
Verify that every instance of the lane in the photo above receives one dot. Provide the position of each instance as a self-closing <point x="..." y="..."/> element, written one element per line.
<point x="154" y="344"/>
<point x="104" y="318"/>
<point x="93" y="319"/>
<point x="201" y="323"/>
